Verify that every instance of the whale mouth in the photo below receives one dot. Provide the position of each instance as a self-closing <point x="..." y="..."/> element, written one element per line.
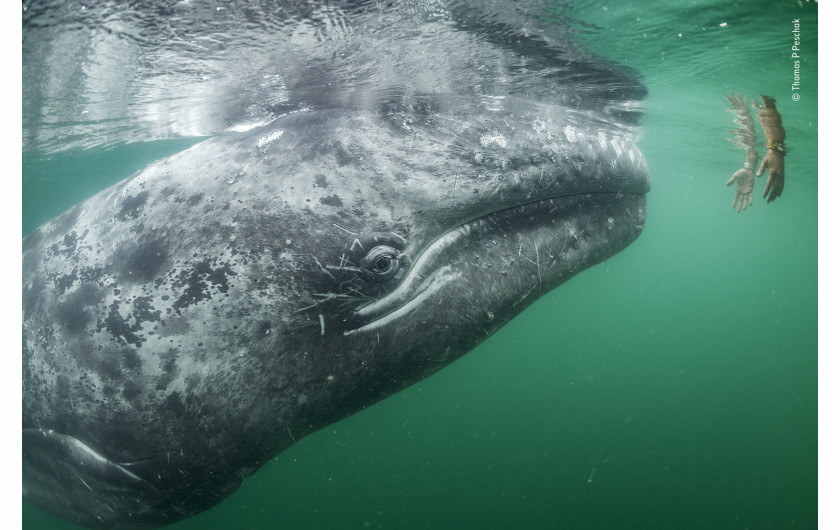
<point x="519" y="253"/>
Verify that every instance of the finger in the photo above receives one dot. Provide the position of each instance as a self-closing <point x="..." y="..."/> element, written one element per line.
<point x="778" y="184"/>
<point x="775" y="193"/>
<point x="731" y="181"/>
<point x="762" y="168"/>
<point x="768" y="187"/>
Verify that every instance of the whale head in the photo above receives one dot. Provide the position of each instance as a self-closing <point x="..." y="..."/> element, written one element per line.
<point x="385" y="187"/>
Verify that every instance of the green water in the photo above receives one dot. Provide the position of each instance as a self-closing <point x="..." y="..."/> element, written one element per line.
<point x="674" y="386"/>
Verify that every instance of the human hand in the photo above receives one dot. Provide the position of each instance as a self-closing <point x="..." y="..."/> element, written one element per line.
<point x="745" y="179"/>
<point x="774" y="162"/>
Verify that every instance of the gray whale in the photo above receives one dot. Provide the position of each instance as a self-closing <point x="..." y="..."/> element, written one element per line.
<point x="417" y="178"/>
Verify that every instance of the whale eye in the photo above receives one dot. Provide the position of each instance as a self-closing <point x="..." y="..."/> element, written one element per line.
<point x="380" y="264"/>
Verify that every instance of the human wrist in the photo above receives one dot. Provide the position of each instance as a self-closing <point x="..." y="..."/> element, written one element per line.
<point x="779" y="147"/>
<point x="752" y="156"/>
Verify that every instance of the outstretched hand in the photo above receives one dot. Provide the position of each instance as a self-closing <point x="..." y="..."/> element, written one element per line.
<point x="743" y="194"/>
<point x="774" y="163"/>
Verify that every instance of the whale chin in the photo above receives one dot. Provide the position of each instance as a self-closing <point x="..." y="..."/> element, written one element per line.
<point x="67" y="478"/>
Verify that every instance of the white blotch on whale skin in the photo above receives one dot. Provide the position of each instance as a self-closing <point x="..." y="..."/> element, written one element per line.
<point x="268" y="138"/>
<point x="493" y="139"/>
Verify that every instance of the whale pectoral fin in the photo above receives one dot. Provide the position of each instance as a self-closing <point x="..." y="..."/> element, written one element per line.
<point x="67" y="478"/>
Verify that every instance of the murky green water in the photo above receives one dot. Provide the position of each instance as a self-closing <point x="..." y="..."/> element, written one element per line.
<point x="674" y="386"/>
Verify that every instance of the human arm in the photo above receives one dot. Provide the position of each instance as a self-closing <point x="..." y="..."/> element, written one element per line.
<point x="744" y="138"/>
<point x="774" y="159"/>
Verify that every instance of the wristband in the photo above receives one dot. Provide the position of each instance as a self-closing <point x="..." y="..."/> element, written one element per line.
<point x="780" y="148"/>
